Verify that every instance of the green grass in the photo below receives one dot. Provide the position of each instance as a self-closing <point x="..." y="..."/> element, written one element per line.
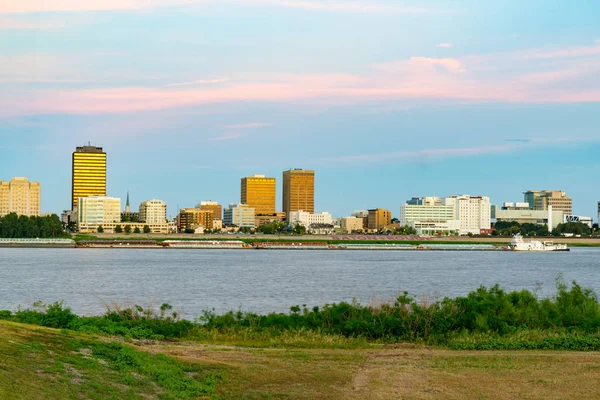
<point x="50" y="364"/>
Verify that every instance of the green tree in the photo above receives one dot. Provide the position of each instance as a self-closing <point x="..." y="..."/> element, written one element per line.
<point x="118" y="229"/>
<point x="137" y="230"/>
<point x="128" y="229"/>
<point x="100" y="229"/>
<point x="147" y="229"/>
<point x="299" y="229"/>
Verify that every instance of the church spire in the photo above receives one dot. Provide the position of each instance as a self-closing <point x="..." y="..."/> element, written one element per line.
<point x="127" y="208"/>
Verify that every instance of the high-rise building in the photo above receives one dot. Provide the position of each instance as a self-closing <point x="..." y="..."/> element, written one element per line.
<point x="473" y="212"/>
<point x="213" y="206"/>
<point x="95" y="211"/>
<point x="89" y="173"/>
<point x="153" y="212"/>
<point x="378" y="218"/>
<point x="240" y="215"/>
<point x="541" y="199"/>
<point x="259" y="193"/>
<point x="20" y="196"/>
<point x="298" y="191"/>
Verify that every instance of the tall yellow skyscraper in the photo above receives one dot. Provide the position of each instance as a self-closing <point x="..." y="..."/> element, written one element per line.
<point x="89" y="173"/>
<point x="259" y="193"/>
<point x="298" y="191"/>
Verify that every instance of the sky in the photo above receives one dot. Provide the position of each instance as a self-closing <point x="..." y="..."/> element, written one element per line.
<point x="384" y="99"/>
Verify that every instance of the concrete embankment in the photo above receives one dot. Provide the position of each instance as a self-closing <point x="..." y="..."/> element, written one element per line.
<point x="38" y="243"/>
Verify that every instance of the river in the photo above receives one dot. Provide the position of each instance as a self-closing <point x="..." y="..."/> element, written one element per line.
<point x="272" y="280"/>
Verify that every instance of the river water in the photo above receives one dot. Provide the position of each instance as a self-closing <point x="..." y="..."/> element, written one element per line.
<point x="272" y="280"/>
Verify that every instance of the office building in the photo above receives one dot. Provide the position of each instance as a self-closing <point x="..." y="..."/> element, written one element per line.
<point x="153" y="212"/>
<point x="193" y="218"/>
<point x="523" y="214"/>
<point x="351" y="224"/>
<point x="473" y="212"/>
<point x="240" y="215"/>
<point x="264" y="219"/>
<point x="88" y="174"/>
<point x="213" y="206"/>
<point x="307" y="219"/>
<point x="95" y="211"/>
<point x="541" y="199"/>
<point x="298" y="191"/>
<point x="378" y="218"/>
<point x="20" y="196"/>
<point x="451" y="215"/>
<point x="259" y="193"/>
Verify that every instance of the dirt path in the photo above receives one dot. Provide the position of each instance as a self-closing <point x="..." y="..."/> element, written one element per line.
<point x="398" y="372"/>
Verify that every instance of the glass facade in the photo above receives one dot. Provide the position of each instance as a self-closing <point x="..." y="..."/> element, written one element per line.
<point x="259" y="193"/>
<point x="89" y="173"/>
<point x="298" y="191"/>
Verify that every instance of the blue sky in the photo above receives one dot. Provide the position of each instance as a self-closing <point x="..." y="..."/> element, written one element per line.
<point x="386" y="100"/>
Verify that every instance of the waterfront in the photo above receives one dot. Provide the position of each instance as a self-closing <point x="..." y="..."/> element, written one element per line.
<point x="271" y="280"/>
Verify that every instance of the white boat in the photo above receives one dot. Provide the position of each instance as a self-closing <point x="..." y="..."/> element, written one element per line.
<point x="518" y="244"/>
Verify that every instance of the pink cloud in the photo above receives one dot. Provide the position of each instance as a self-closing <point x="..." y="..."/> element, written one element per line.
<point x="488" y="78"/>
<point x="444" y="45"/>
<point x="34" y="6"/>
<point x="199" y="82"/>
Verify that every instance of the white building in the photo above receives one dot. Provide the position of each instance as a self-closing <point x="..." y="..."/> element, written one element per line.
<point x="473" y="212"/>
<point x="360" y="214"/>
<point x="524" y="214"/>
<point x="153" y="212"/>
<point x="306" y="219"/>
<point x="97" y="211"/>
<point x="451" y="215"/>
<point x="240" y="215"/>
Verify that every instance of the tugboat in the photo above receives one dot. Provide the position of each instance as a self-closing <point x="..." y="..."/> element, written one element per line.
<point x="518" y="244"/>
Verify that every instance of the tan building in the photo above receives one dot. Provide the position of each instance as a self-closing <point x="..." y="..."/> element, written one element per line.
<point x="555" y="198"/>
<point x="95" y="211"/>
<point x="378" y="219"/>
<point x="298" y="191"/>
<point x="264" y="219"/>
<point x="213" y="206"/>
<point x="192" y="218"/>
<point x="153" y="212"/>
<point x="20" y="196"/>
<point x="351" y="224"/>
<point x="259" y="193"/>
<point x="89" y="173"/>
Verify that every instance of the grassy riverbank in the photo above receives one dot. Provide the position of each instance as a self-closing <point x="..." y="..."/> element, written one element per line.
<point x="46" y="363"/>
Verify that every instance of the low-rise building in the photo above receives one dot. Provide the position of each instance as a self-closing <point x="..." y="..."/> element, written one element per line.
<point x="264" y="219"/>
<point x="192" y="218"/>
<point x="240" y="215"/>
<point x="522" y="213"/>
<point x="321" y="229"/>
<point x="378" y="218"/>
<point x="95" y="211"/>
<point x="306" y="219"/>
<point x="351" y="224"/>
<point x="541" y="199"/>
<point x="213" y="206"/>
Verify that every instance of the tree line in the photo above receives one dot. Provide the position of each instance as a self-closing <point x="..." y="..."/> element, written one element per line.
<point x="511" y="228"/>
<point x="22" y="226"/>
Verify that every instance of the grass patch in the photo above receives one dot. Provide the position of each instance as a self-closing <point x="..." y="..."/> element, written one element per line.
<point x="48" y="364"/>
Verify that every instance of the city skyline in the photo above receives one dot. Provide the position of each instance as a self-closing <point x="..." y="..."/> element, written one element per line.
<point x="386" y="100"/>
